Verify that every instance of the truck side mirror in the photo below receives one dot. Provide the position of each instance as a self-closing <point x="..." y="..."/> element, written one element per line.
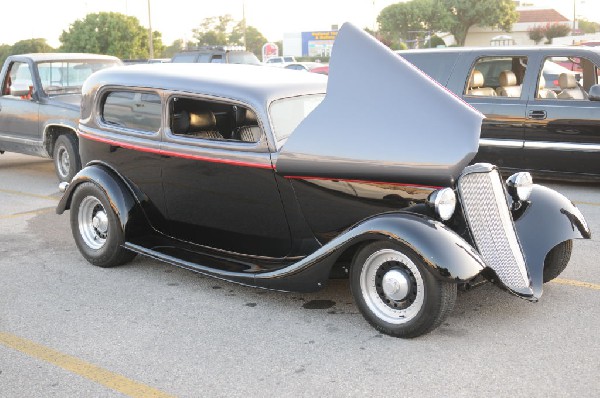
<point x="594" y="94"/>
<point x="19" y="90"/>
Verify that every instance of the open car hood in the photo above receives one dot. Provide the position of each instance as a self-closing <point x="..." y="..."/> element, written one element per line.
<point x="382" y="119"/>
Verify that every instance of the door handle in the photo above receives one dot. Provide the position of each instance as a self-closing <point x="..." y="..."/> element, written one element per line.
<point x="538" y="115"/>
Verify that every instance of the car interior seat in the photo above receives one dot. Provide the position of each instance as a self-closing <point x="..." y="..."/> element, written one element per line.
<point x="543" y="92"/>
<point x="508" y="84"/>
<point x="248" y="129"/>
<point x="201" y="124"/>
<point x="476" y="86"/>
<point x="570" y="88"/>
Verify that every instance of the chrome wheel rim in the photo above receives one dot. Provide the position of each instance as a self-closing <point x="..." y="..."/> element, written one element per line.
<point x="392" y="286"/>
<point x="63" y="161"/>
<point x="93" y="222"/>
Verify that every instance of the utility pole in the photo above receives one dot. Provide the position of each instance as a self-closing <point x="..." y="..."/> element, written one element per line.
<point x="150" y="39"/>
<point x="244" y="21"/>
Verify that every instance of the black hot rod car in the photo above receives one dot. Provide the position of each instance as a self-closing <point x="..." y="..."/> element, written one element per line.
<point x="259" y="177"/>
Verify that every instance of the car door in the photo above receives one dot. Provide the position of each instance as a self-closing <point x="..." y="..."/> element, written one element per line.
<point x="562" y="131"/>
<point x="501" y="140"/>
<point x="219" y="185"/>
<point x="19" y="114"/>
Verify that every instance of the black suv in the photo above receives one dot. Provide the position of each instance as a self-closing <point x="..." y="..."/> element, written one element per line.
<point x="217" y="54"/>
<point x="542" y="104"/>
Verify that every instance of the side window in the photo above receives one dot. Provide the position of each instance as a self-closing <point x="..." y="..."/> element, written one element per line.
<point x="204" y="58"/>
<point x="566" y="78"/>
<point x="497" y="76"/>
<point x="18" y="82"/>
<point x="217" y="59"/>
<point x="209" y="120"/>
<point x="132" y="110"/>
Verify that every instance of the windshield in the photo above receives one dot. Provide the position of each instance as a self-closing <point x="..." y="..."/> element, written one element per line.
<point x="67" y="77"/>
<point x="287" y="113"/>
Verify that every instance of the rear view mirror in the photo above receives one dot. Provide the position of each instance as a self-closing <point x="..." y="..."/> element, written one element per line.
<point x="594" y="94"/>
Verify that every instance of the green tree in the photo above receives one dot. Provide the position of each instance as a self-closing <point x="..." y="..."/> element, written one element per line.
<point x="110" y="33"/>
<point x="4" y="52"/>
<point x="31" y="46"/>
<point x="173" y="49"/>
<point x="213" y="31"/>
<point x="556" y="30"/>
<point x="588" y="26"/>
<point x="537" y="34"/>
<point x="485" y="13"/>
<point x="254" y="39"/>
<point x="456" y="16"/>
<point x="411" y="20"/>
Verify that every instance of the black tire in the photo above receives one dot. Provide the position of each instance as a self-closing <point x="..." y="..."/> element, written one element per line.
<point x="96" y="228"/>
<point x="557" y="260"/>
<point x="66" y="157"/>
<point x="421" y="302"/>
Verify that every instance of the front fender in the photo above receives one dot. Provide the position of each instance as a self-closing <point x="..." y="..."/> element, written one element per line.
<point x="547" y="219"/>
<point x="448" y="256"/>
<point x="119" y="195"/>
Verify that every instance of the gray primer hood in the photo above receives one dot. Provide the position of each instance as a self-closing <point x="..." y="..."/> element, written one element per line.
<point x="382" y="119"/>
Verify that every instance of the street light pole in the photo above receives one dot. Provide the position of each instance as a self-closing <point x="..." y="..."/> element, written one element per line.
<point x="150" y="39"/>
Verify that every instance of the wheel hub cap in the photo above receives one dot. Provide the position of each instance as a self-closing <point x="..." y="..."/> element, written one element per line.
<point x="100" y="222"/>
<point x="395" y="285"/>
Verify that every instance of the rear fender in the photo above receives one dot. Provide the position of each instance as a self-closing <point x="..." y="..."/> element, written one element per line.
<point x="121" y="198"/>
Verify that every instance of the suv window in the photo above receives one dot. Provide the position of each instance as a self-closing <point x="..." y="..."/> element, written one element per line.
<point x="497" y="76"/>
<point x="566" y="78"/>
<point x="132" y="110"/>
<point x="212" y="120"/>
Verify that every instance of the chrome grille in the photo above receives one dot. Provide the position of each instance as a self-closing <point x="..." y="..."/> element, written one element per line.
<point x="487" y="214"/>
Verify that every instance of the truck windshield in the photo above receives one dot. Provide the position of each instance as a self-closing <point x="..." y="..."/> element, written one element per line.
<point x="67" y="77"/>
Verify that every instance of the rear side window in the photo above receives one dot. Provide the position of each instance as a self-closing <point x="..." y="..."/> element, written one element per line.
<point x="132" y="110"/>
<point x="437" y="66"/>
<point x="497" y="76"/>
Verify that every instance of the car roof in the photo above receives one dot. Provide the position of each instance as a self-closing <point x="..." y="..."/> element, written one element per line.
<point x="40" y="57"/>
<point x="247" y="83"/>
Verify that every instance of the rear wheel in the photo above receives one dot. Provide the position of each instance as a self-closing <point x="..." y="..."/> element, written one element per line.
<point x="96" y="228"/>
<point x="66" y="157"/>
<point x="395" y="293"/>
<point x="557" y="260"/>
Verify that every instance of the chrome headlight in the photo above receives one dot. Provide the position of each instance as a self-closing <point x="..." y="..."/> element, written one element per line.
<point x="444" y="202"/>
<point x="520" y="185"/>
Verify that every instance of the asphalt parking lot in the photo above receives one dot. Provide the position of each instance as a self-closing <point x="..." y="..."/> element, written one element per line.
<point x="68" y="329"/>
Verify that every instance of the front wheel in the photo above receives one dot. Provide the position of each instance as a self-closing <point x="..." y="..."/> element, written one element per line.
<point x="395" y="293"/>
<point x="96" y="229"/>
<point x="66" y="157"/>
<point x="557" y="260"/>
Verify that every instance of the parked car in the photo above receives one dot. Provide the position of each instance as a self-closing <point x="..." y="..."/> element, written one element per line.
<point x="315" y="67"/>
<point x="279" y="61"/>
<point x="269" y="178"/>
<point x="40" y="104"/>
<point x="218" y="55"/>
<point x="539" y="116"/>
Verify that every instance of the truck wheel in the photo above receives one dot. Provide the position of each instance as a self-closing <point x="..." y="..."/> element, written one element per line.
<point x="96" y="229"/>
<point x="66" y="157"/>
<point x="395" y="293"/>
<point x="557" y="260"/>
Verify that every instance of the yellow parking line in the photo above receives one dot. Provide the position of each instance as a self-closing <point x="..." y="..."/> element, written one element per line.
<point x="570" y="282"/>
<point x="31" y="195"/>
<point x="107" y="378"/>
<point x="587" y="203"/>
<point x="27" y="213"/>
